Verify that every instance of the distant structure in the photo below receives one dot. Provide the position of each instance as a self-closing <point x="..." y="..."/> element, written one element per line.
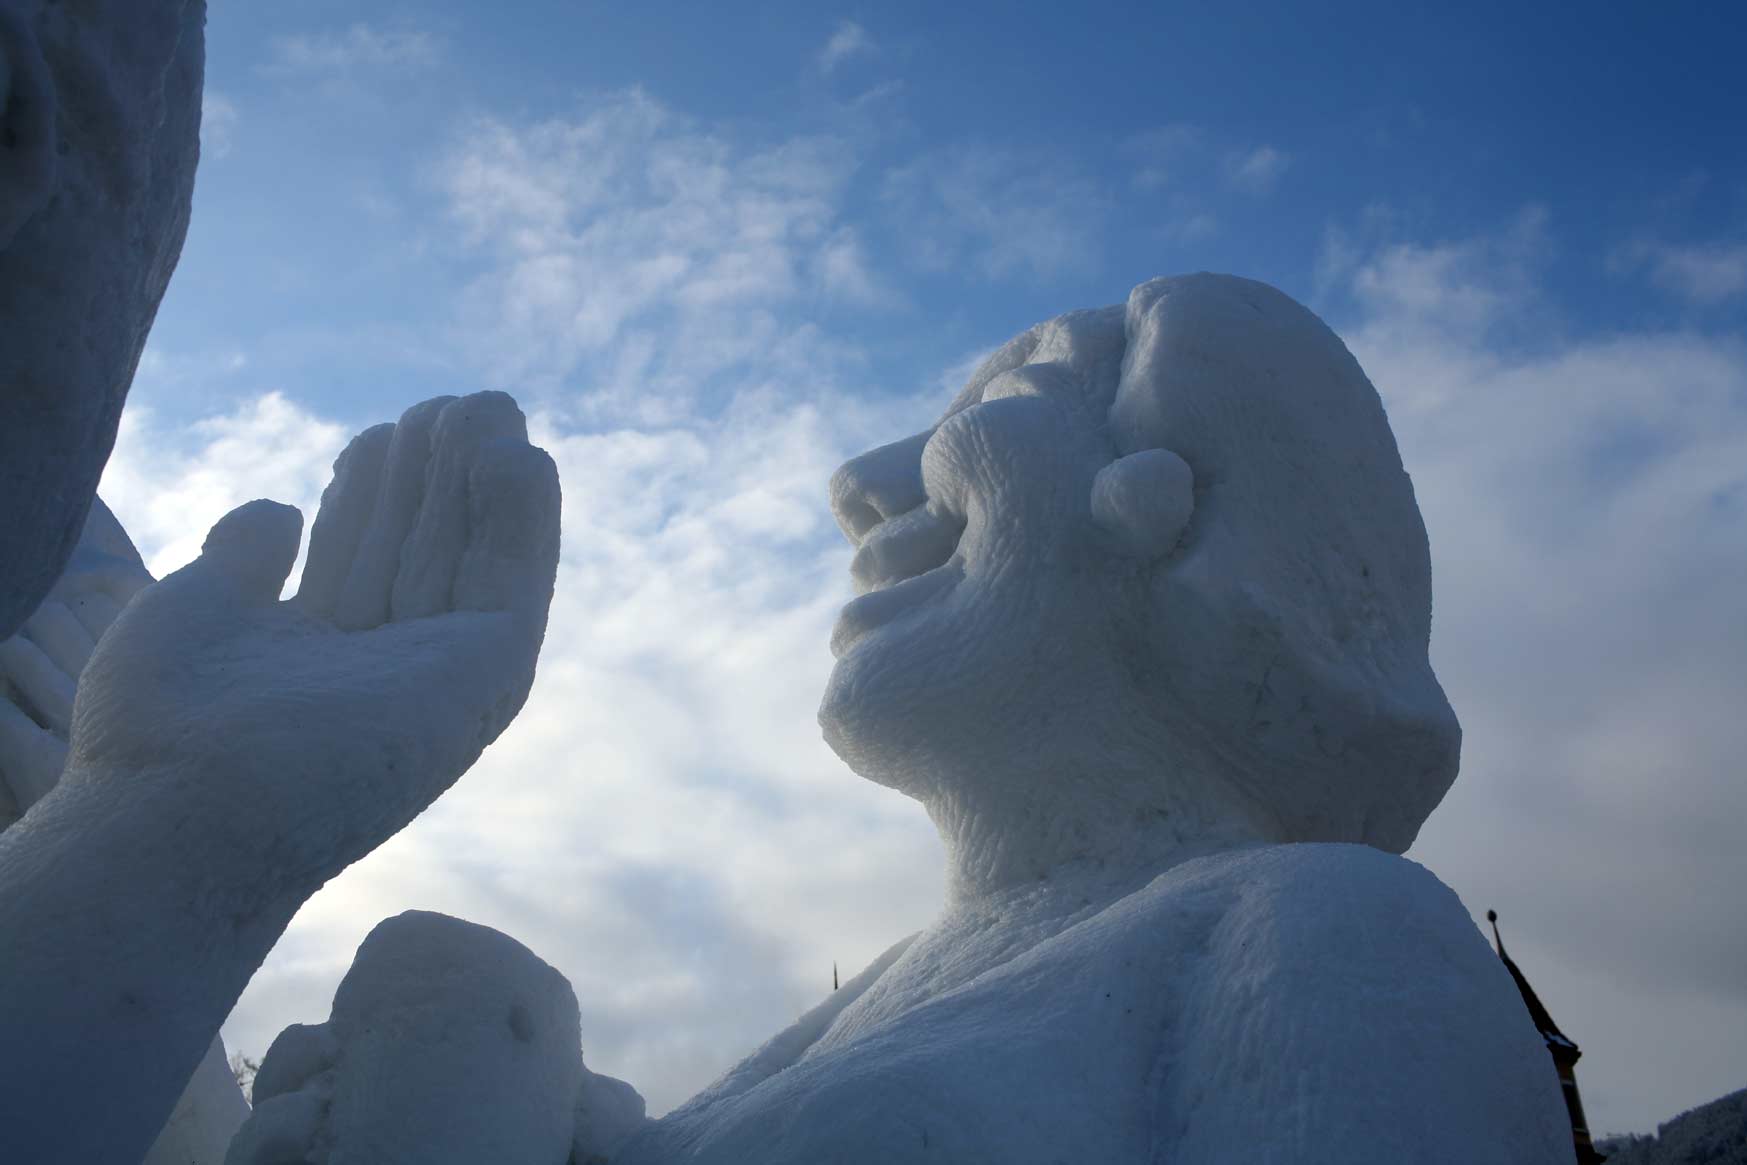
<point x="1563" y="1050"/>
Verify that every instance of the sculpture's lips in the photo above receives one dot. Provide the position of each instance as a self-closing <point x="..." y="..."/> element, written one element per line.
<point x="904" y="546"/>
<point x="903" y="561"/>
<point x="877" y="608"/>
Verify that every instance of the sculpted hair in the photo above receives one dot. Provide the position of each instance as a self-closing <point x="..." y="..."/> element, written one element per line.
<point x="1295" y="611"/>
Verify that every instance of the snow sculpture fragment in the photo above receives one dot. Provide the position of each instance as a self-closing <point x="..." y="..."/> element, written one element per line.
<point x="608" y="1111"/>
<point x="230" y="752"/>
<point x="448" y="1042"/>
<point x="1143" y="624"/>
<point x="40" y="666"/>
<point x="39" y="672"/>
<point x="100" y="105"/>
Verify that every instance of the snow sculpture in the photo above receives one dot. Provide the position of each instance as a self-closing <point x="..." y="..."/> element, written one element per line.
<point x="448" y="1042"/>
<point x="39" y="671"/>
<point x="101" y="116"/>
<point x="230" y="752"/>
<point x="1144" y="625"/>
<point x="40" y="666"/>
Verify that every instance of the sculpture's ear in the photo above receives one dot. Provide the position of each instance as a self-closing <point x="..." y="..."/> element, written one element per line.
<point x="27" y="124"/>
<point x="1143" y="501"/>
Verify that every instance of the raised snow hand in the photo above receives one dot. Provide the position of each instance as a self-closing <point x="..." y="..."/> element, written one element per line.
<point x="231" y="751"/>
<point x="308" y="731"/>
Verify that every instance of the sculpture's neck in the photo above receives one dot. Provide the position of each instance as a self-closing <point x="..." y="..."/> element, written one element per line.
<point x="1085" y="840"/>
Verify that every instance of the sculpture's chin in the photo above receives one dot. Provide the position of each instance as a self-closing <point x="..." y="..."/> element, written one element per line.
<point x="845" y="721"/>
<point x="878" y="716"/>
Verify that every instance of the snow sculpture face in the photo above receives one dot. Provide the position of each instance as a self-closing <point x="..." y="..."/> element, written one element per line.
<point x="1157" y="571"/>
<point x="100" y="123"/>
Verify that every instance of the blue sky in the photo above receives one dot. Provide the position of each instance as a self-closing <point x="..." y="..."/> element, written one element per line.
<point x="714" y="249"/>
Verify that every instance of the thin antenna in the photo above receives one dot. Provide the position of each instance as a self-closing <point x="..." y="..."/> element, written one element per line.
<point x="1492" y="917"/>
<point x="833" y="974"/>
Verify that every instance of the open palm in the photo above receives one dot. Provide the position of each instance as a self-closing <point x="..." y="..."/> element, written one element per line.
<point x="307" y="731"/>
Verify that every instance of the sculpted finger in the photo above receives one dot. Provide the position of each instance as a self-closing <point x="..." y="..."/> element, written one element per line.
<point x="511" y="558"/>
<point x="45" y="689"/>
<point x="347" y="505"/>
<point x="364" y="599"/>
<point x="431" y="559"/>
<point x="253" y="548"/>
<point x="31" y="757"/>
<point x="61" y="636"/>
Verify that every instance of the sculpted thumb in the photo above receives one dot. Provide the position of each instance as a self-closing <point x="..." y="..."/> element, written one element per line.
<point x="253" y="547"/>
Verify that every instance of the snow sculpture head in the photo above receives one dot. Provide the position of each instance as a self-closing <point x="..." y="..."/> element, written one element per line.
<point x="448" y="1042"/>
<point x="100" y="127"/>
<point x="1156" y="579"/>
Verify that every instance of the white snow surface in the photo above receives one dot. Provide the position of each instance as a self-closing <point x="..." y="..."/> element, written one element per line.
<point x="449" y="1044"/>
<point x="1294" y="1004"/>
<point x="39" y="673"/>
<point x="205" y="1119"/>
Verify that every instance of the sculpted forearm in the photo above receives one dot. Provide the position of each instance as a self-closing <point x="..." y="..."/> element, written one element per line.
<point x="125" y="948"/>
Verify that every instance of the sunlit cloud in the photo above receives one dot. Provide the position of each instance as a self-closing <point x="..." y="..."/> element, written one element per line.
<point x="848" y="40"/>
<point x="1256" y="171"/>
<point x="646" y="257"/>
<point x="169" y="484"/>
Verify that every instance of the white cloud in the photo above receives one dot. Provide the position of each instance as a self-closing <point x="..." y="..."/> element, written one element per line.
<point x="1256" y="171"/>
<point x="848" y="40"/>
<point x="168" y="485"/>
<point x="843" y="272"/>
<point x="359" y="46"/>
<point x="219" y="119"/>
<point x="1705" y="273"/>
<point x="1001" y="213"/>
<point x="1586" y="501"/>
<point x="632" y="251"/>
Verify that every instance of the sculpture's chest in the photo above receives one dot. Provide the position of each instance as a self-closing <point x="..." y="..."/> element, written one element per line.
<point x="1051" y="1057"/>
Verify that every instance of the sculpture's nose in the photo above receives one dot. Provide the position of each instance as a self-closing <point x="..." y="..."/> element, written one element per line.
<point x="881" y="483"/>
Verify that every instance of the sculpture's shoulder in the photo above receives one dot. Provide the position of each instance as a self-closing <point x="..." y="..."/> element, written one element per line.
<point x="1310" y="892"/>
<point x="1349" y="1009"/>
<point x="1300" y="1004"/>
